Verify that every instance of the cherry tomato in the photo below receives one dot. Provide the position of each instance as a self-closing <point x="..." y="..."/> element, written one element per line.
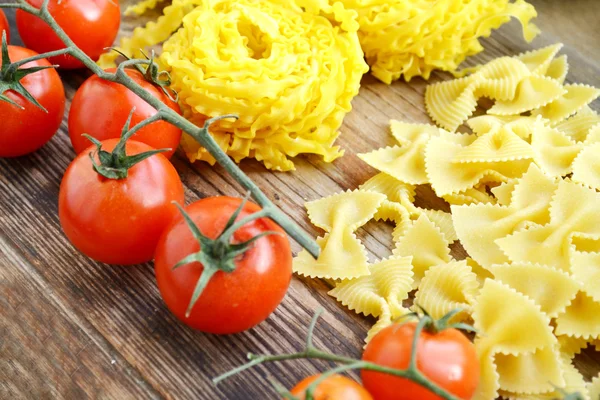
<point x="4" y="26"/>
<point x="335" y="387"/>
<point x="231" y="302"/>
<point x="91" y="113"/>
<point x="119" y="221"/>
<point x="26" y="129"/>
<point x="447" y="358"/>
<point x="92" y="24"/>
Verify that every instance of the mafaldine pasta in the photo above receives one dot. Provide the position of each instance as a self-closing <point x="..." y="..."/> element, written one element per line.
<point x="289" y="75"/>
<point x="524" y="196"/>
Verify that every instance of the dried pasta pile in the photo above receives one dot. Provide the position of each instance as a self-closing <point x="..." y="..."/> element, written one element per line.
<point x="413" y="38"/>
<point x="523" y="190"/>
<point x="290" y="75"/>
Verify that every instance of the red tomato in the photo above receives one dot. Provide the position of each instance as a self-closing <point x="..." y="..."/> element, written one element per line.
<point x="336" y="387"/>
<point x="447" y="358"/>
<point x="92" y="24"/>
<point x="91" y="113"/>
<point x="26" y="130"/>
<point x="4" y="26"/>
<point x="231" y="302"/>
<point x="119" y="221"/>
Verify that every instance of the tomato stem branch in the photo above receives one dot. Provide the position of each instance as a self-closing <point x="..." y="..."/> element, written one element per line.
<point x="310" y="352"/>
<point x="200" y="134"/>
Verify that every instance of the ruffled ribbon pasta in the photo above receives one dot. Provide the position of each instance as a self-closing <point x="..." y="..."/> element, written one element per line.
<point x="290" y="75"/>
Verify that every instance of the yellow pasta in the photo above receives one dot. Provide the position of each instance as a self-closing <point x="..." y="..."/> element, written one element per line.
<point x="585" y="268"/>
<point x="574" y="382"/>
<point x="499" y="314"/>
<point x="427" y="246"/>
<point x="594" y="388"/>
<point x="446" y="287"/>
<point x="389" y="283"/>
<point x="586" y="167"/>
<point x="142" y="6"/>
<point x="581" y="319"/>
<point x="558" y="69"/>
<point x="475" y="195"/>
<point x="290" y="75"/>
<point x="489" y="379"/>
<point x="539" y="61"/>
<point x="579" y="125"/>
<point x="576" y="97"/>
<point x="570" y="346"/>
<point x="379" y="294"/>
<point x="342" y="255"/>
<point x="503" y="192"/>
<point x="573" y="210"/>
<point x="531" y="373"/>
<point x="551" y="289"/>
<point x="497" y="146"/>
<point x="532" y="92"/>
<point x="447" y="177"/>
<point x="555" y="151"/>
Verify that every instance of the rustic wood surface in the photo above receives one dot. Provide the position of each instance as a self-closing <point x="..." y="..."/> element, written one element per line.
<point x="74" y="329"/>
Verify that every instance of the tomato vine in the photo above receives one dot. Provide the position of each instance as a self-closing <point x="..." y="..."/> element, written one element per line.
<point x="200" y="134"/>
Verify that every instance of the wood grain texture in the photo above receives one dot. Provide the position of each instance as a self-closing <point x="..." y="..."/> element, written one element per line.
<point x="71" y="328"/>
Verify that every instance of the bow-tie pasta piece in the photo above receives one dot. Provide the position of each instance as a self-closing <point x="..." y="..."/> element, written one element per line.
<point x="479" y="226"/>
<point x="581" y="319"/>
<point x="442" y="220"/>
<point x="521" y="126"/>
<point x="342" y="255"/>
<point x="539" y="61"/>
<point x="389" y="280"/>
<point x="586" y="167"/>
<point x="551" y="289"/>
<point x="558" y="69"/>
<point x="448" y="177"/>
<point x="503" y="192"/>
<point x="585" y="267"/>
<point x="555" y="151"/>
<point x="497" y="146"/>
<point x="446" y="287"/>
<point x="405" y="162"/>
<point x="475" y="195"/>
<point x="573" y="382"/>
<point x="379" y="294"/>
<point x="532" y="92"/>
<point x="426" y="244"/>
<point x="450" y="103"/>
<point x="499" y="78"/>
<point x="593" y="135"/>
<point x="580" y="124"/>
<point x="489" y="379"/>
<point x="531" y="373"/>
<point x="574" y="210"/>
<point x="395" y="190"/>
<point x="499" y="315"/>
<point x="576" y="97"/>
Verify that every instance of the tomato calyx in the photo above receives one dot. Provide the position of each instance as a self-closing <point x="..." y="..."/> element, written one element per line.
<point x="116" y="164"/>
<point x="153" y="74"/>
<point x="218" y="254"/>
<point x="11" y="75"/>
<point x="434" y="326"/>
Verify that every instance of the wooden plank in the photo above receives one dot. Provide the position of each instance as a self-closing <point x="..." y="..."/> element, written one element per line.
<point x="93" y="314"/>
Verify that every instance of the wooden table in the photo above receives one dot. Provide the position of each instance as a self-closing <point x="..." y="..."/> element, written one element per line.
<point x="74" y="329"/>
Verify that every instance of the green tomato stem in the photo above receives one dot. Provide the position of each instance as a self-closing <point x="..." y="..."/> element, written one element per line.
<point x="201" y="135"/>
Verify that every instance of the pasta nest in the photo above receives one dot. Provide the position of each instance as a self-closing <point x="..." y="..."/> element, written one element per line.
<point x="413" y="38"/>
<point x="289" y="75"/>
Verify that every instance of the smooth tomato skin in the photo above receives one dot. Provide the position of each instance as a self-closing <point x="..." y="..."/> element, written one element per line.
<point x="4" y="26"/>
<point x="92" y="24"/>
<point x="119" y="221"/>
<point x="25" y="130"/>
<point x="231" y="302"/>
<point x="336" y="387"/>
<point x="447" y="358"/>
<point x="103" y="119"/>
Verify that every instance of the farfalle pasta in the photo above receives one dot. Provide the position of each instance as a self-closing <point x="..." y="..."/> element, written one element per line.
<point x="342" y="254"/>
<point x="290" y="75"/>
<point x="379" y="294"/>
